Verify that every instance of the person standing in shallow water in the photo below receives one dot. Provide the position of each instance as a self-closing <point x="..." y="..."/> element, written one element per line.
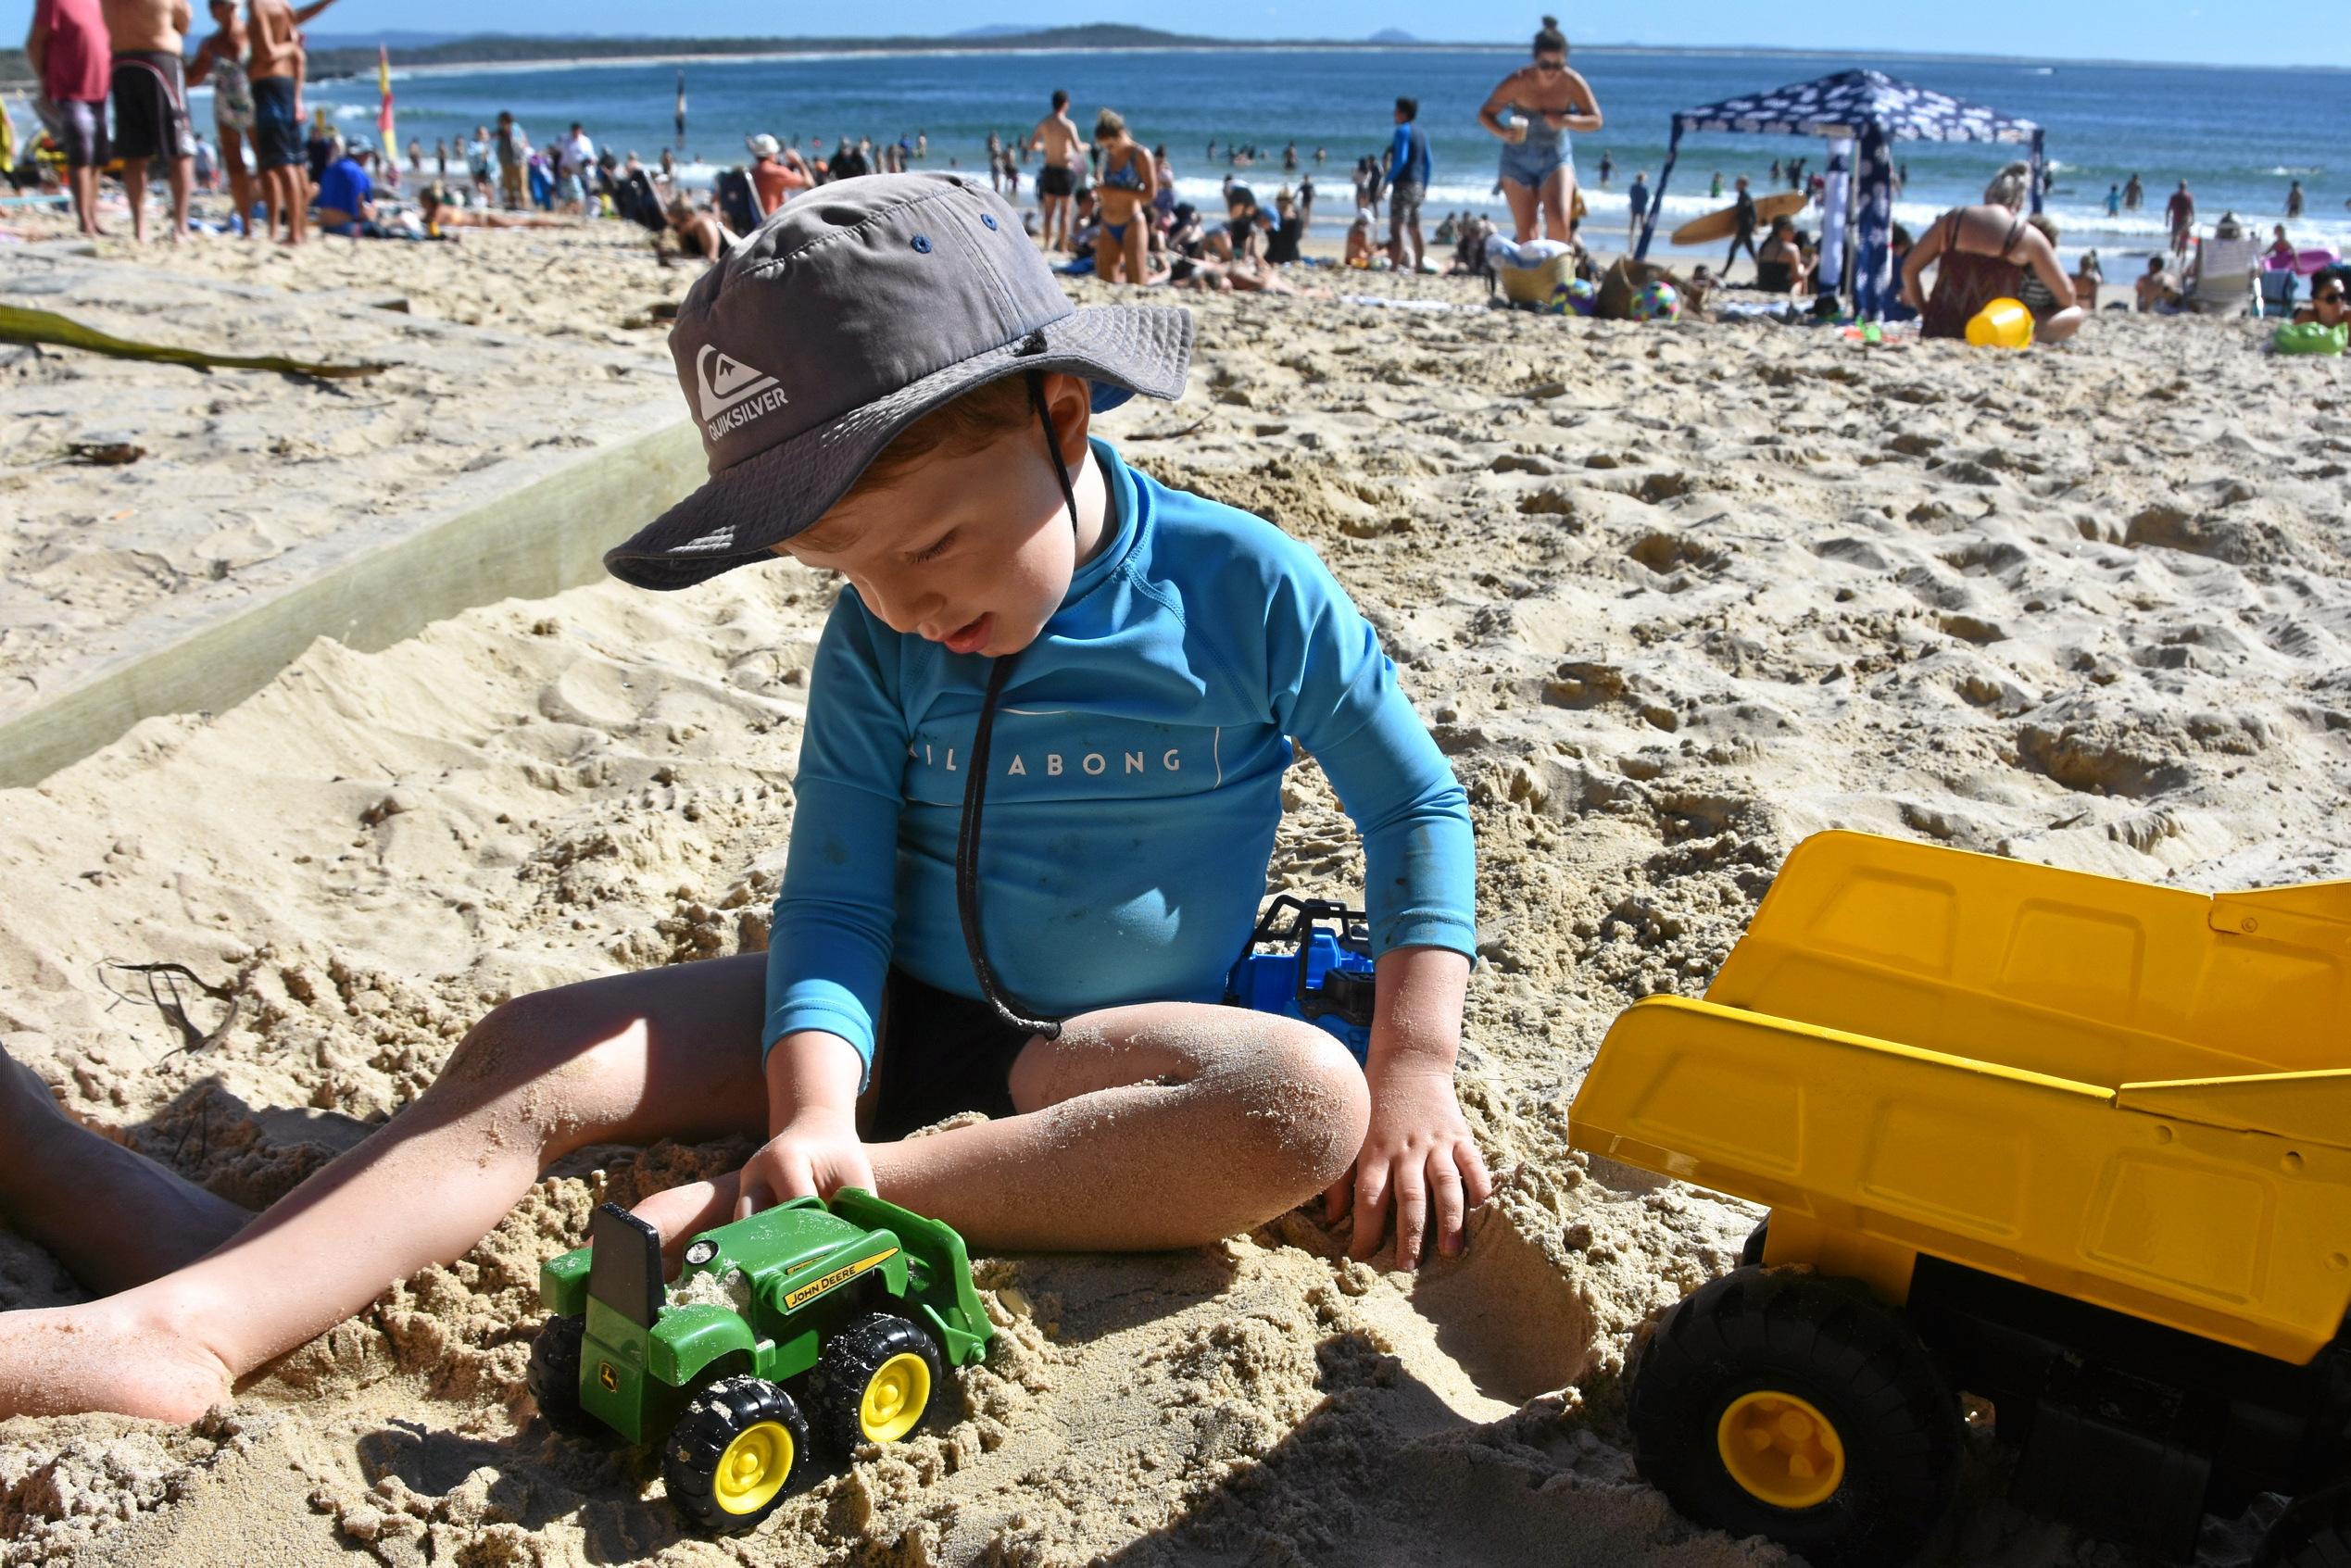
<point x="1532" y="113"/>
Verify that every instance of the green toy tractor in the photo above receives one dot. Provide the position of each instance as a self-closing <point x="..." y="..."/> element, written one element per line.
<point x="812" y="1320"/>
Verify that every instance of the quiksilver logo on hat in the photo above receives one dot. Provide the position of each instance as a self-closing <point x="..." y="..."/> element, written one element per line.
<point x="732" y="394"/>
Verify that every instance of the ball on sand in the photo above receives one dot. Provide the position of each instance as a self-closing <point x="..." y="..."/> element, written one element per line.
<point x="1659" y="301"/>
<point x="1583" y="295"/>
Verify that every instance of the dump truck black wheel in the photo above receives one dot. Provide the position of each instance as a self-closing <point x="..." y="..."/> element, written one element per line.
<point x="2314" y="1532"/>
<point x="1773" y="1402"/>
<point x="737" y="1452"/>
<point x="1751" y="1254"/>
<point x="554" y="1378"/>
<point x="875" y="1381"/>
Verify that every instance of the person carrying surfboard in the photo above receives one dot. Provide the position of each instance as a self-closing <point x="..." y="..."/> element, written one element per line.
<point x="1743" y="231"/>
<point x="1544" y="101"/>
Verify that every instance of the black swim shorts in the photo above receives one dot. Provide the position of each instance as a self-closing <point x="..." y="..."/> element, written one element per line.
<point x="150" y="105"/>
<point x="277" y="134"/>
<point x="939" y="1054"/>
<point x="1055" y="180"/>
<point x="82" y="131"/>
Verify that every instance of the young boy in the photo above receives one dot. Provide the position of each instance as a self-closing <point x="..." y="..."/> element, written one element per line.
<point x="1038" y="792"/>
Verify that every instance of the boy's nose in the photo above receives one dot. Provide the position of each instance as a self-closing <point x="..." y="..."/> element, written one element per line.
<point x="901" y="612"/>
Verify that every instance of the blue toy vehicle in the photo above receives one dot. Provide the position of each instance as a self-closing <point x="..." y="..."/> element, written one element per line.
<point x="1321" y="970"/>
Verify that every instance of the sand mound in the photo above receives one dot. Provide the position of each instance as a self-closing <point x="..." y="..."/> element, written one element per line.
<point x="1669" y="599"/>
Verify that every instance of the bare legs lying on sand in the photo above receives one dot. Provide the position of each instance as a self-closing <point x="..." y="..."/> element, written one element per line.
<point x="115" y="1218"/>
<point x="1154" y="1126"/>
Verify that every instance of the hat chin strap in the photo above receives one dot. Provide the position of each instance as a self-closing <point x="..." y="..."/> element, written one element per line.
<point x="967" y="833"/>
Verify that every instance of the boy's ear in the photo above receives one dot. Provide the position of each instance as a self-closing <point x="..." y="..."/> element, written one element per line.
<point x="1070" y="399"/>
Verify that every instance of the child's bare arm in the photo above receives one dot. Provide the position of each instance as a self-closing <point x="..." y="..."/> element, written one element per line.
<point x="1418" y="1152"/>
<point x="813" y="1145"/>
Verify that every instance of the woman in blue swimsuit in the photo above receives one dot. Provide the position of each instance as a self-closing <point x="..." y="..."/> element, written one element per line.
<point x="1546" y="101"/>
<point x="1128" y="183"/>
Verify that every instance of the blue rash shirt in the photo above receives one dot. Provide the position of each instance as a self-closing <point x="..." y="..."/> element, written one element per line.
<point x="1408" y="159"/>
<point x="1134" y="781"/>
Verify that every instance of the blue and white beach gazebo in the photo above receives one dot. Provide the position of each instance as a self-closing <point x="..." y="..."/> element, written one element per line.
<point x="1875" y="111"/>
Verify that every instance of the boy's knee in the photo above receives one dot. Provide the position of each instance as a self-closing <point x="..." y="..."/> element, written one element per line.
<point x="520" y="1040"/>
<point x="1301" y="1107"/>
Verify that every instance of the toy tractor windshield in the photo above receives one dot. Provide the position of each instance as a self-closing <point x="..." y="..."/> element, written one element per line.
<point x="625" y="1270"/>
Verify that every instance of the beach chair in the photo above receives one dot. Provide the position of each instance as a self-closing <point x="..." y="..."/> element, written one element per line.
<point x="2278" y="285"/>
<point x="2226" y="270"/>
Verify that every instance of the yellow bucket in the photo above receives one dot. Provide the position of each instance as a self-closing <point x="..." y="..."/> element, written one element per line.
<point x="2004" y="323"/>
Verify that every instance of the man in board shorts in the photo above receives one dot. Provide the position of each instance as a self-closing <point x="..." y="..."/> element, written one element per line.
<point x="67" y="50"/>
<point x="1407" y="172"/>
<point x="151" y="105"/>
<point x="1063" y="154"/>
<point x="276" y="75"/>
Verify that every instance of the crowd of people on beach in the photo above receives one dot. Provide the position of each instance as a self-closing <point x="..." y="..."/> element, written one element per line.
<point x="115" y="76"/>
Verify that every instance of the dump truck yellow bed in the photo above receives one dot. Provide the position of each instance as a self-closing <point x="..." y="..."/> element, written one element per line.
<point x="2135" y="1096"/>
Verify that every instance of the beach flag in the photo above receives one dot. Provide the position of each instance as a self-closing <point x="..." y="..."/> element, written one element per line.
<point x="681" y="114"/>
<point x="383" y="112"/>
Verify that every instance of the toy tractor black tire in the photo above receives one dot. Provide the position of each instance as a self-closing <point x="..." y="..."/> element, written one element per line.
<point x="1773" y="1402"/>
<point x="741" y="1448"/>
<point x="877" y="1380"/>
<point x="2314" y="1532"/>
<point x="554" y="1378"/>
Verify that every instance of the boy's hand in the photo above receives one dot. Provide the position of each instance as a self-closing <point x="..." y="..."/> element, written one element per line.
<point x="816" y="1154"/>
<point x="1419" y="1154"/>
<point x="812" y="1148"/>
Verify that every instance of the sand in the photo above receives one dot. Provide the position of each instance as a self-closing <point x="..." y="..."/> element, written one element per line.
<point x="241" y="484"/>
<point x="1669" y="598"/>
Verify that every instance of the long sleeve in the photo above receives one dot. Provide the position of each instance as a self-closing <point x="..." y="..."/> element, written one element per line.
<point x="828" y="952"/>
<point x="1336" y="694"/>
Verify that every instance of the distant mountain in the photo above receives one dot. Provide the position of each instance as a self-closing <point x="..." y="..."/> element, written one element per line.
<point x="996" y="30"/>
<point x="396" y="40"/>
<point x="1391" y="35"/>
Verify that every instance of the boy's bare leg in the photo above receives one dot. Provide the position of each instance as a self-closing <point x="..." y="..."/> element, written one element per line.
<point x="113" y="1217"/>
<point x="632" y="1059"/>
<point x="1167" y="1124"/>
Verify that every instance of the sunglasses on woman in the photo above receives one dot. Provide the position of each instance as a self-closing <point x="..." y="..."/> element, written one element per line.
<point x="1547" y="63"/>
<point x="2332" y="296"/>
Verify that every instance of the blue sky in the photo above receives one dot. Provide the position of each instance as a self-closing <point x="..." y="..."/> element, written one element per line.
<point x="2194" y="31"/>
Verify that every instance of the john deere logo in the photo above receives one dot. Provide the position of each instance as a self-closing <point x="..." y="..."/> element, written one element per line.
<point x="730" y="392"/>
<point x="846" y="1271"/>
<point x="604" y="1375"/>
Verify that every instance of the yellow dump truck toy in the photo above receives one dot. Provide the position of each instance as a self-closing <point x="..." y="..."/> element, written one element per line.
<point x="2078" y="1147"/>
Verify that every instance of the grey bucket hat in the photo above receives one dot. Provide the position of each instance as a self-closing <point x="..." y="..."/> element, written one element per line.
<point x="858" y="308"/>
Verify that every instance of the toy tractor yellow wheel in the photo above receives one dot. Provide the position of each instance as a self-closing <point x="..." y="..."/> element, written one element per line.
<point x="554" y="1378"/>
<point x="1773" y="1402"/>
<point x="738" y="1451"/>
<point x="876" y="1381"/>
<point x="2314" y="1532"/>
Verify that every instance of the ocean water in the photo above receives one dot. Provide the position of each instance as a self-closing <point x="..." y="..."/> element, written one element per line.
<point x="2237" y="136"/>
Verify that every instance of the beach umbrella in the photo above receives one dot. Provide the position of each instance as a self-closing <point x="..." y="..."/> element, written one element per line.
<point x="1873" y="109"/>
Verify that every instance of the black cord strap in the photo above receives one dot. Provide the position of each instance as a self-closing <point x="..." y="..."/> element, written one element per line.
<point x="967" y="833"/>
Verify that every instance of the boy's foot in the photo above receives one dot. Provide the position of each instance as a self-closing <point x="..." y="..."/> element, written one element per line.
<point x="59" y="1173"/>
<point x="106" y="1356"/>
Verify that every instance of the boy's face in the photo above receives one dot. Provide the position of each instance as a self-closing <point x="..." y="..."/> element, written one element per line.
<point x="970" y="549"/>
